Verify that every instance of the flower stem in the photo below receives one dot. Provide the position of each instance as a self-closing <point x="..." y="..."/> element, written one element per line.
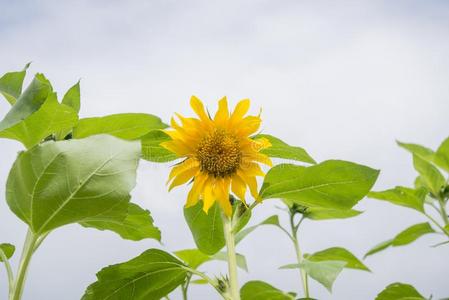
<point x="27" y="252"/>
<point x="299" y="257"/>
<point x="8" y="271"/>
<point x="232" y="259"/>
<point x="443" y="211"/>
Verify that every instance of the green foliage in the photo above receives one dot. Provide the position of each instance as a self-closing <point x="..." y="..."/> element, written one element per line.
<point x="129" y="126"/>
<point x="403" y="196"/>
<point x="95" y="190"/>
<point x="429" y="174"/>
<point x="400" y="291"/>
<point x="338" y="254"/>
<point x="11" y="84"/>
<point x="280" y="149"/>
<point x="273" y="220"/>
<point x="207" y="229"/>
<point x="136" y="226"/>
<point x="405" y="237"/>
<point x="152" y="149"/>
<point x="332" y="184"/>
<point x="8" y="250"/>
<point x="442" y="155"/>
<point x="257" y="290"/>
<point x="72" y="97"/>
<point x="151" y="275"/>
<point x="318" y="213"/>
<point x="195" y="258"/>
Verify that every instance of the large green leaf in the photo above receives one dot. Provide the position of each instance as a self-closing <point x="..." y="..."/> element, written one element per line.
<point x="318" y="213"/>
<point x="137" y="225"/>
<point x="333" y="184"/>
<point x="442" y="155"/>
<point x="151" y="275"/>
<point x="405" y="237"/>
<point x="11" y="84"/>
<point x="258" y="290"/>
<point x="128" y="126"/>
<point x="430" y="175"/>
<point x="51" y="117"/>
<point x="280" y="149"/>
<point x="58" y="183"/>
<point x="340" y="254"/>
<point x="399" y="291"/>
<point x="72" y="97"/>
<point x="402" y="196"/>
<point x="272" y="220"/>
<point x="8" y="250"/>
<point x="152" y="149"/>
<point x="207" y="229"/>
<point x="28" y="102"/>
<point x="418" y="150"/>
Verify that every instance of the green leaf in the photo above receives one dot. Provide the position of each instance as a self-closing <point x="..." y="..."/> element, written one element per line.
<point x="11" y="84"/>
<point x="8" y="250"/>
<point x="442" y="155"/>
<point x="405" y="237"/>
<point x="195" y="258"/>
<point x="399" y="291"/>
<point x="52" y="117"/>
<point x="412" y="233"/>
<point x="151" y="275"/>
<point x="28" y="102"/>
<point x="325" y="272"/>
<point x="58" y="183"/>
<point x="340" y="254"/>
<point x="418" y="150"/>
<point x="152" y="149"/>
<point x="257" y="290"/>
<point x="137" y="225"/>
<point x="333" y="184"/>
<point x="72" y="97"/>
<point x="318" y="213"/>
<point x="129" y="126"/>
<point x="207" y="229"/>
<point x="431" y="176"/>
<point x="402" y="196"/>
<point x="379" y="247"/>
<point x="272" y="220"/>
<point x="279" y="149"/>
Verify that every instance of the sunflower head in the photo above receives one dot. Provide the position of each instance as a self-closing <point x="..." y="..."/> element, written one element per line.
<point x="219" y="154"/>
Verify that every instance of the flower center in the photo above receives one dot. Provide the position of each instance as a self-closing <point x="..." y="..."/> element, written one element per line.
<point x="219" y="153"/>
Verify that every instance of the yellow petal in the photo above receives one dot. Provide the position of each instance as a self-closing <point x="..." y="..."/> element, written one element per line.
<point x="183" y="177"/>
<point x="240" y="110"/>
<point x="222" y="114"/>
<point x="198" y="108"/>
<point x="239" y="187"/>
<point x="177" y="147"/>
<point x="249" y="125"/>
<point x="208" y="195"/>
<point x="252" y="184"/>
<point x="251" y="169"/>
<point x="222" y="194"/>
<point x="195" y="192"/>
<point x="259" y="157"/>
<point x="182" y="167"/>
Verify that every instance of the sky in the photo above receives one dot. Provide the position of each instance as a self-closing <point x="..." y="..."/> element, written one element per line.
<point x="343" y="79"/>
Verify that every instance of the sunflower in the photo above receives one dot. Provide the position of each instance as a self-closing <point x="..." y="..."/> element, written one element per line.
<point x="219" y="154"/>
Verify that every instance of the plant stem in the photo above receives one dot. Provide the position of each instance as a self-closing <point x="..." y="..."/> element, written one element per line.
<point x="443" y="211"/>
<point x="232" y="259"/>
<point x="299" y="257"/>
<point x="208" y="279"/>
<point x="8" y="271"/>
<point x="27" y="252"/>
<point x="185" y="287"/>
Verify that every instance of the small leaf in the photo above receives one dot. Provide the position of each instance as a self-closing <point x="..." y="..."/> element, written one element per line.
<point x="400" y="291"/>
<point x="272" y="220"/>
<point x="442" y="155"/>
<point x="412" y="233"/>
<point x="72" y="97"/>
<point x="332" y="184"/>
<point x="152" y="149"/>
<point x="340" y="254"/>
<point x="430" y="175"/>
<point x="8" y="250"/>
<point x="317" y="213"/>
<point x="325" y="272"/>
<point x="418" y="150"/>
<point x="257" y="290"/>
<point x="401" y="196"/>
<point x="207" y="229"/>
<point x="195" y="258"/>
<point x="59" y="183"/>
<point x="128" y="126"/>
<point x="279" y="149"/>
<point x="379" y="247"/>
<point x="52" y="117"/>
<point x="151" y="275"/>
<point x="11" y="84"/>
<point x="137" y="225"/>
<point x="241" y="260"/>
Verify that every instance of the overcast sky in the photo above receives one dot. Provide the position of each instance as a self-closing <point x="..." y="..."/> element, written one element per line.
<point x="342" y="79"/>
